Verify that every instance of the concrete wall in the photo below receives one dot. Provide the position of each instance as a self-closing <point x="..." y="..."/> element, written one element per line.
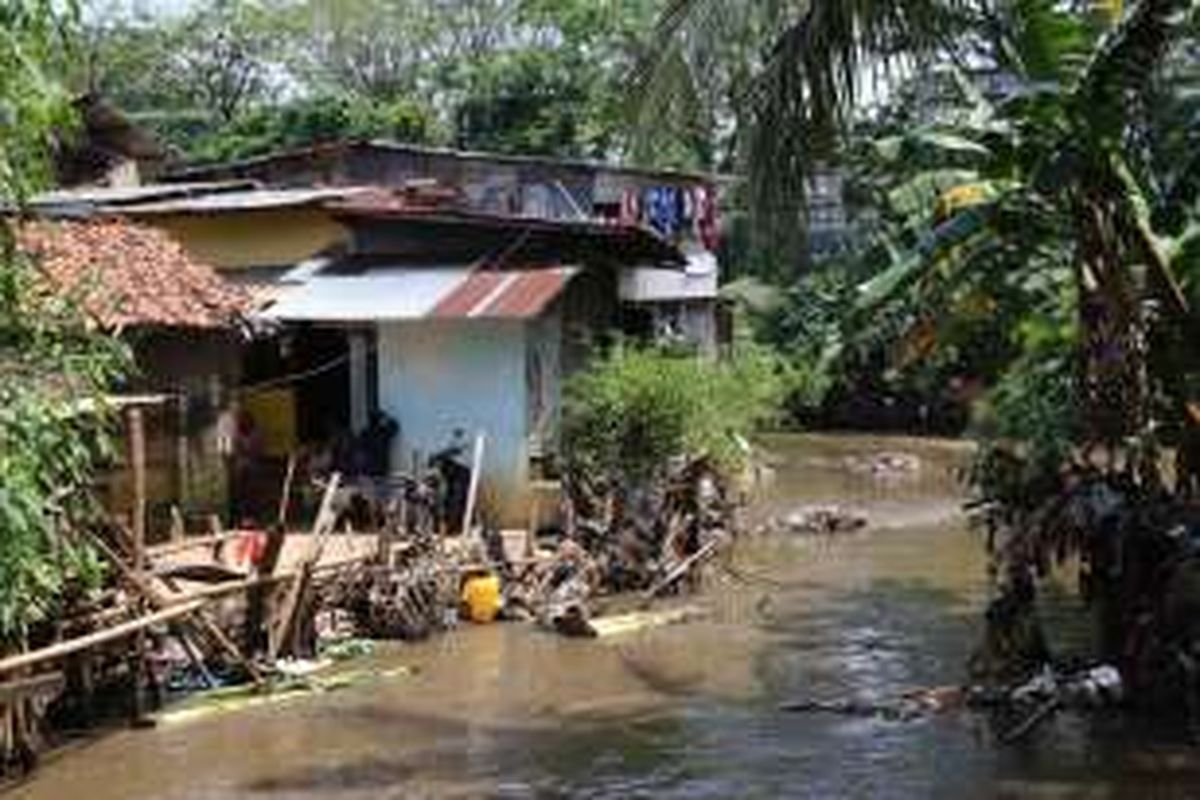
<point x="435" y="376"/>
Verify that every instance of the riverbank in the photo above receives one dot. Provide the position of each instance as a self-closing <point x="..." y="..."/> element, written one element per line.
<point x="686" y="710"/>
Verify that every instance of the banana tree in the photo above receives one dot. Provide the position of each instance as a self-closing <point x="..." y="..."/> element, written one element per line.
<point x="1082" y="183"/>
<point x="1056" y="180"/>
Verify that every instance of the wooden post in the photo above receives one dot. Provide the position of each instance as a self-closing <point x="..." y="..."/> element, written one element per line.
<point x="359" y="401"/>
<point x="473" y="491"/>
<point x="178" y="530"/>
<point x="182" y="465"/>
<point x="137" y="463"/>
<point x="285" y="496"/>
<point x="259" y="595"/>
<point x="535" y="522"/>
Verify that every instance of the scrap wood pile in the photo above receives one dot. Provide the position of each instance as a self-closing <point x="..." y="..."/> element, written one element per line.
<point x="195" y="612"/>
<point x="652" y="537"/>
<point x="649" y="541"/>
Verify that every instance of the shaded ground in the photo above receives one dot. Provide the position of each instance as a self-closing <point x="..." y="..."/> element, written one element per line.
<point x="687" y="711"/>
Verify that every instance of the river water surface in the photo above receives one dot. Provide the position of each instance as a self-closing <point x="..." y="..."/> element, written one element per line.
<point x="684" y="711"/>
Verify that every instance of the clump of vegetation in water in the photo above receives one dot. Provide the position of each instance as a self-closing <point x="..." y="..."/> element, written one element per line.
<point x="637" y="409"/>
<point x="54" y="367"/>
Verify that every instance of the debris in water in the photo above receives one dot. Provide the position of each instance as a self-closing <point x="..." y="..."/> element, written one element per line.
<point x="822" y="520"/>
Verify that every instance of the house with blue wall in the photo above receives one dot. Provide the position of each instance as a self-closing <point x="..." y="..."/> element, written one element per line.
<point x="467" y="323"/>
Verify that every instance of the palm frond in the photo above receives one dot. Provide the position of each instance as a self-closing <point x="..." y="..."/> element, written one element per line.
<point x="1040" y="41"/>
<point x="821" y="58"/>
<point x="815" y="74"/>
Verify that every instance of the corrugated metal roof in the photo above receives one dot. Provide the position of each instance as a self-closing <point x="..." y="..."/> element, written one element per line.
<point x="426" y="151"/>
<point x="121" y="195"/>
<point x="569" y="238"/>
<point x="384" y="294"/>
<point x="520" y="294"/>
<point x="447" y="292"/>
<point x="249" y="200"/>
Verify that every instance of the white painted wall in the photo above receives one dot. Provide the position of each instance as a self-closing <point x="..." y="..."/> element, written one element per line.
<point x="435" y="376"/>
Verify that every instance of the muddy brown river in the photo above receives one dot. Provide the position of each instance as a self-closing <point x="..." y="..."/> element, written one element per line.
<point x="687" y="711"/>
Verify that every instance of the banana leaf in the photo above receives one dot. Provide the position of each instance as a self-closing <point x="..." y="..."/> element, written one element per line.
<point x="941" y="241"/>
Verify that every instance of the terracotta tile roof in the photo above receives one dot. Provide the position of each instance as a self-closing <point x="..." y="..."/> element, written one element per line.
<point x="131" y="275"/>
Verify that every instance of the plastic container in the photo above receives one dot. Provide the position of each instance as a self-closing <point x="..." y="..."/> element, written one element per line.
<point x="481" y="598"/>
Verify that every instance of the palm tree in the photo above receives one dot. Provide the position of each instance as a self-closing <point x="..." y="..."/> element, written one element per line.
<point x="793" y="72"/>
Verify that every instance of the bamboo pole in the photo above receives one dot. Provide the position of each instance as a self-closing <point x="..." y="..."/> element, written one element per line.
<point x="137" y="461"/>
<point x="285" y="496"/>
<point x="66" y="648"/>
<point x="684" y="567"/>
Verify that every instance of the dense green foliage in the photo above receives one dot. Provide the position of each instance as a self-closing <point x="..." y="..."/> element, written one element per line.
<point x="231" y="78"/>
<point x="634" y="411"/>
<point x="51" y="364"/>
<point x="300" y="123"/>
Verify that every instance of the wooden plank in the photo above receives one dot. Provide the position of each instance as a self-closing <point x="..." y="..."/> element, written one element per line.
<point x="183" y="545"/>
<point x="235" y="587"/>
<point x="285" y="624"/>
<point x="66" y="648"/>
<point x="684" y="567"/>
